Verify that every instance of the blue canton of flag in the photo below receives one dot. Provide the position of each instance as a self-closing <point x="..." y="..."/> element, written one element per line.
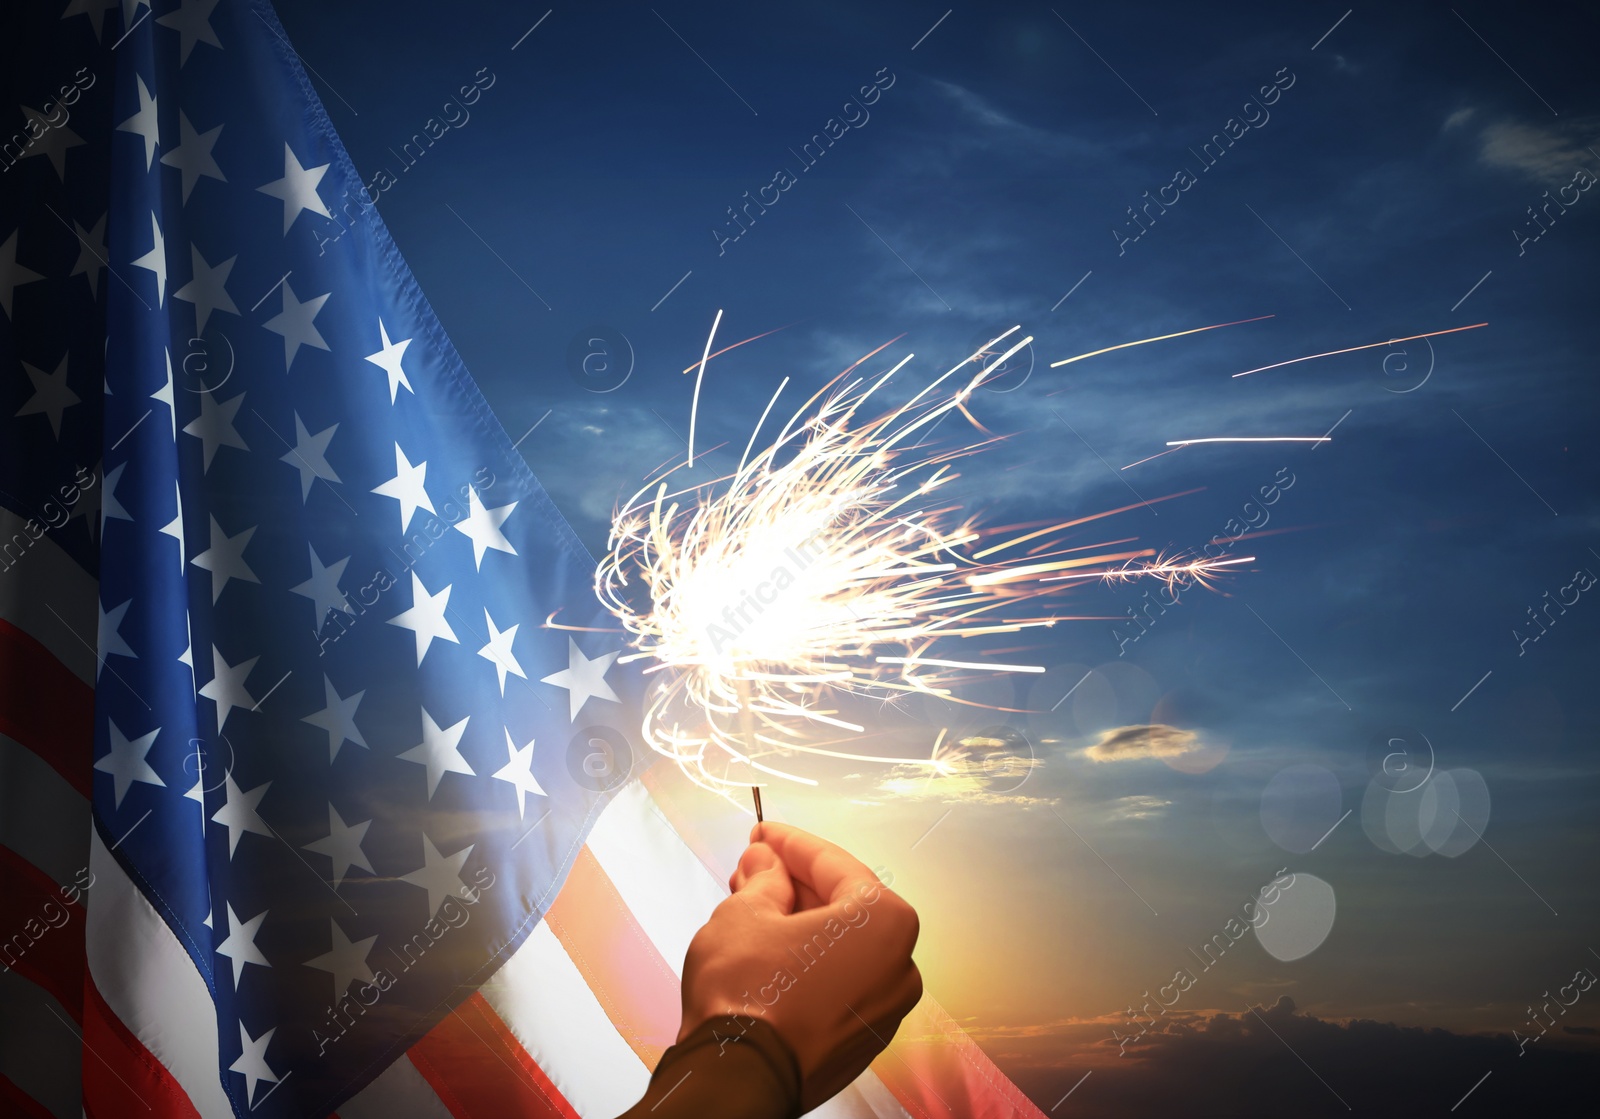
<point x="335" y="746"/>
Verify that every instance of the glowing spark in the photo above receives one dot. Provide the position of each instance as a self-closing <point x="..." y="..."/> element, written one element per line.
<point x="694" y="407"/>
<point x="1080" y="521"/>
<point x="1174" y="572"/>
<point x="1353" y="349"/>
<point x="736" y="345"/>
<point x="1158" y="338"/>
<point x="1250" y="439"/>
<point x="826" y="566"/>
<point x="962" y="664"/>
<point x="1150" y="458"/>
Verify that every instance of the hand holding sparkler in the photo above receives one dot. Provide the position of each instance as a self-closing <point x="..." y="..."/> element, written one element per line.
<point x="809" y="933"/>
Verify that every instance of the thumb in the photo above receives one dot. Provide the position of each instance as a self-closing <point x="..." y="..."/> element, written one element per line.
<point x="761" y="879"/>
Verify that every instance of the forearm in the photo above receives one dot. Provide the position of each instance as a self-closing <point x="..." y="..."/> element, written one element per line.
<point x="728" y="1068"/>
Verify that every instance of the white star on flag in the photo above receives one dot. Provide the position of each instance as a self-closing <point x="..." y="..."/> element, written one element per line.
<point x="207" y="289"/>
<point x="296" y="323"/>
<point x="426" y="617"/>
<point x="439" y="751"/>
<point x="226" y="686"/>
<point x="583" y="678"/>
<point x="91" y="253"/>
<point x="214" y="426"/>
<point x="252" y="1063"/>
<point x="309" y="455"/>
<point x="406" y="488"/>
<point x="110" y="641"/>
<point x="164" y="395"/>
<point x="12" y="274"/>
<point x="192" y="157"/>
<point x="174" y="527"/>
<point x="482" y="527"/>
<point x="95" y="9"/>
<point x="143" y="123"/>
<point x="51" y="396"/>
<point x="156" y="260"/>
<point x="498" y="650"/>
<point x="238" y="812"/>
<point x="346" y="961"/>
<point x="338" y="719"/>
<point x="323" y="589"/>
<point x="518" y="773"/>
<point x="126" y="762"/>
<point x="111" y="508"/>
<point x="225" y="558"/>
<point x="297" y="189"/>
<point x="90" y="502"/>
<point x="197" y="791"/>
<point x="192" y="22"/>
<point x="439" y="875"/>
<point x="240" y="944"/>
<point x="388" y="360"/>
<point x="53" y="140"/>
<point x="343" y="845"/>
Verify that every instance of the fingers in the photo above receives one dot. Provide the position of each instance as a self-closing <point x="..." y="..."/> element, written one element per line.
<point x="828" y="871"/>
<point x="761" y="880"/>
<point x="806" y="899"/>
<point x="756" y="858"/>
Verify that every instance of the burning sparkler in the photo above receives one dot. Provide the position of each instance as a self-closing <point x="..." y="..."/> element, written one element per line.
<point x="824" y="567"/>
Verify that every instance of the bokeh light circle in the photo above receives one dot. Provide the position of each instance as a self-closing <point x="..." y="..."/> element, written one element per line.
<point x="1446" y="815"/>
<point x="1300" y="920"/>
<point x="1299" y="805"/>
<point x="1189" y="709"/>
<point x="1461" y="815"/>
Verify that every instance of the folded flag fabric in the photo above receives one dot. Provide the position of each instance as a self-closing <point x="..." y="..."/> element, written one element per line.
<point x="303" y="809"/>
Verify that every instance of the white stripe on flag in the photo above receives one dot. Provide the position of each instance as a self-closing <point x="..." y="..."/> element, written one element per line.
<point x="544" y="1002"/>
<point x="150" y="984"/>
<point x="852" y="1102"/>
<point x="42" y="818"/>
<point x="48" y="596"/>
<point x="669" y="891"/>
<point x="878" y="1097"/>
<point x="399" y="1092"/>
<point x="37" y="1049"/>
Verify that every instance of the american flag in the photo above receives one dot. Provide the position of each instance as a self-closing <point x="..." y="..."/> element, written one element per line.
<point x="303" y="811"/>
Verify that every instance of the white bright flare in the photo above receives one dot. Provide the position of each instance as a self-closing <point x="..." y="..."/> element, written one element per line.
<point x="820" y="567"/>
<point x="1251" y="439"/>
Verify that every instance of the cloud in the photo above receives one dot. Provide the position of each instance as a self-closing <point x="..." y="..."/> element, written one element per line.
<point x="1138" y="807"/>
<point x="1458" y="118"/>
<point x="997" y="779"/>
<point x="983" y="126"/>
<point x="1131" y="743"/>
<point x="1545" y="153"/>
<point x="1255" y="1062"/>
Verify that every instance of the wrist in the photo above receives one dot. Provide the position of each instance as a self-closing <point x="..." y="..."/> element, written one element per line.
<point x="765" y="1061"/>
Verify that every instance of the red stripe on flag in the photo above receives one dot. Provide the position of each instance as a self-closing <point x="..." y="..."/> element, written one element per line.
<point x="936" y="1071"/>
<point x="120" y="1076"/>
<point x="45" y="707"/>
<point x="14" y="1101"/>
<point x="619" y="962"/>
<point x="41" y="934"/>
<point x="476" y="1067"/>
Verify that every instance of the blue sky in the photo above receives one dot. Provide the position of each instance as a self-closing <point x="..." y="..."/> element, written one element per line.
<point x="1376" y="192"/>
